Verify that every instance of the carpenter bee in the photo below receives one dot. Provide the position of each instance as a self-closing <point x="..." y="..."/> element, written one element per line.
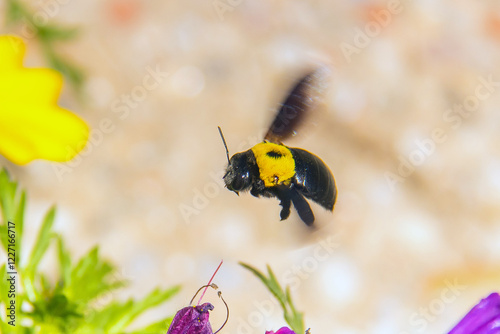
<point x="271" y="169"/>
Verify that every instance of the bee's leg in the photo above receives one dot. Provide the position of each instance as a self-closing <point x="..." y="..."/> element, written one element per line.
<point x="302" y="207"/>
<point x="258" y="189"/>
<point x="283" y="194"/>
<point x="285" y="211"/>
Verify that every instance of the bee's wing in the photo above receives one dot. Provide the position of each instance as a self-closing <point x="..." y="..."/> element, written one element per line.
<point x="300" y="101"/>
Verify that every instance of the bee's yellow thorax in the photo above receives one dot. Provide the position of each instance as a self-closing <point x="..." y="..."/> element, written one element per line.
<point x="276" y="163"/>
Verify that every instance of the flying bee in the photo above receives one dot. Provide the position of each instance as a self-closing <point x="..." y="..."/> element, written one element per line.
<point x="271" y="169"/>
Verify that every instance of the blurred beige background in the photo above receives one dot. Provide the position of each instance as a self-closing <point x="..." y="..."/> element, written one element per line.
<point x="409" y="127"/>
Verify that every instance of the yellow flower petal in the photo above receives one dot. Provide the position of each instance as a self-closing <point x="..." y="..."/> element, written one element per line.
<point x="32" y="125"/>
<point x="50" y="133"/>
<point x="26" y="85"/>
<point x="11" y="53"/>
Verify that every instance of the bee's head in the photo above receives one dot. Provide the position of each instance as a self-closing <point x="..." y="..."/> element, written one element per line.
<point x="238" y="175"/>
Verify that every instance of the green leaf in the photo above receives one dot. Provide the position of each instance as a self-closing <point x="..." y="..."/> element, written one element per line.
<point x="12" y="211"/>
<point x="70" y="304"/>
<point x="48" y="35"/>
<point x="92" y="277"/>
<point x="271" y="283"/>
<point x="55" y="308"/>
<point x="42" y="242"/>
<point x="14" y="11"/>
<point x="64" y="261"/>
<point x="157" y="328"/>
<point x="275" y="286"/>
<point x="294" y="318"/>
<point x="70" y="71"/>
<point x="8" y="191"/>
<point x="38" y="251"/>
<point x="117" y="316"/>
<point x="108" y="316"/>
<point x="52" y="32"/>
<point x="155" y="298"/>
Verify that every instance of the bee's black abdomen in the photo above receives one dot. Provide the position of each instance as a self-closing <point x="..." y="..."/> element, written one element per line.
<point x="313" y="178"/>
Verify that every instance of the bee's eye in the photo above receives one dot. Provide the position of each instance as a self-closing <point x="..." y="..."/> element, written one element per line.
<point x="238" y="173"/>
<point x="241" y="181"/>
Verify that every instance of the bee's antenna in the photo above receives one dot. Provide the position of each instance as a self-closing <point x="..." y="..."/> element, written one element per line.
<point x="224" y="141"/>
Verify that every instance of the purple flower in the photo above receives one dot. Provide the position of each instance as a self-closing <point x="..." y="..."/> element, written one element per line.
<point x="282" y="330"/>
<point x="192" y="320"/>
<point x="484" y="318"/>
